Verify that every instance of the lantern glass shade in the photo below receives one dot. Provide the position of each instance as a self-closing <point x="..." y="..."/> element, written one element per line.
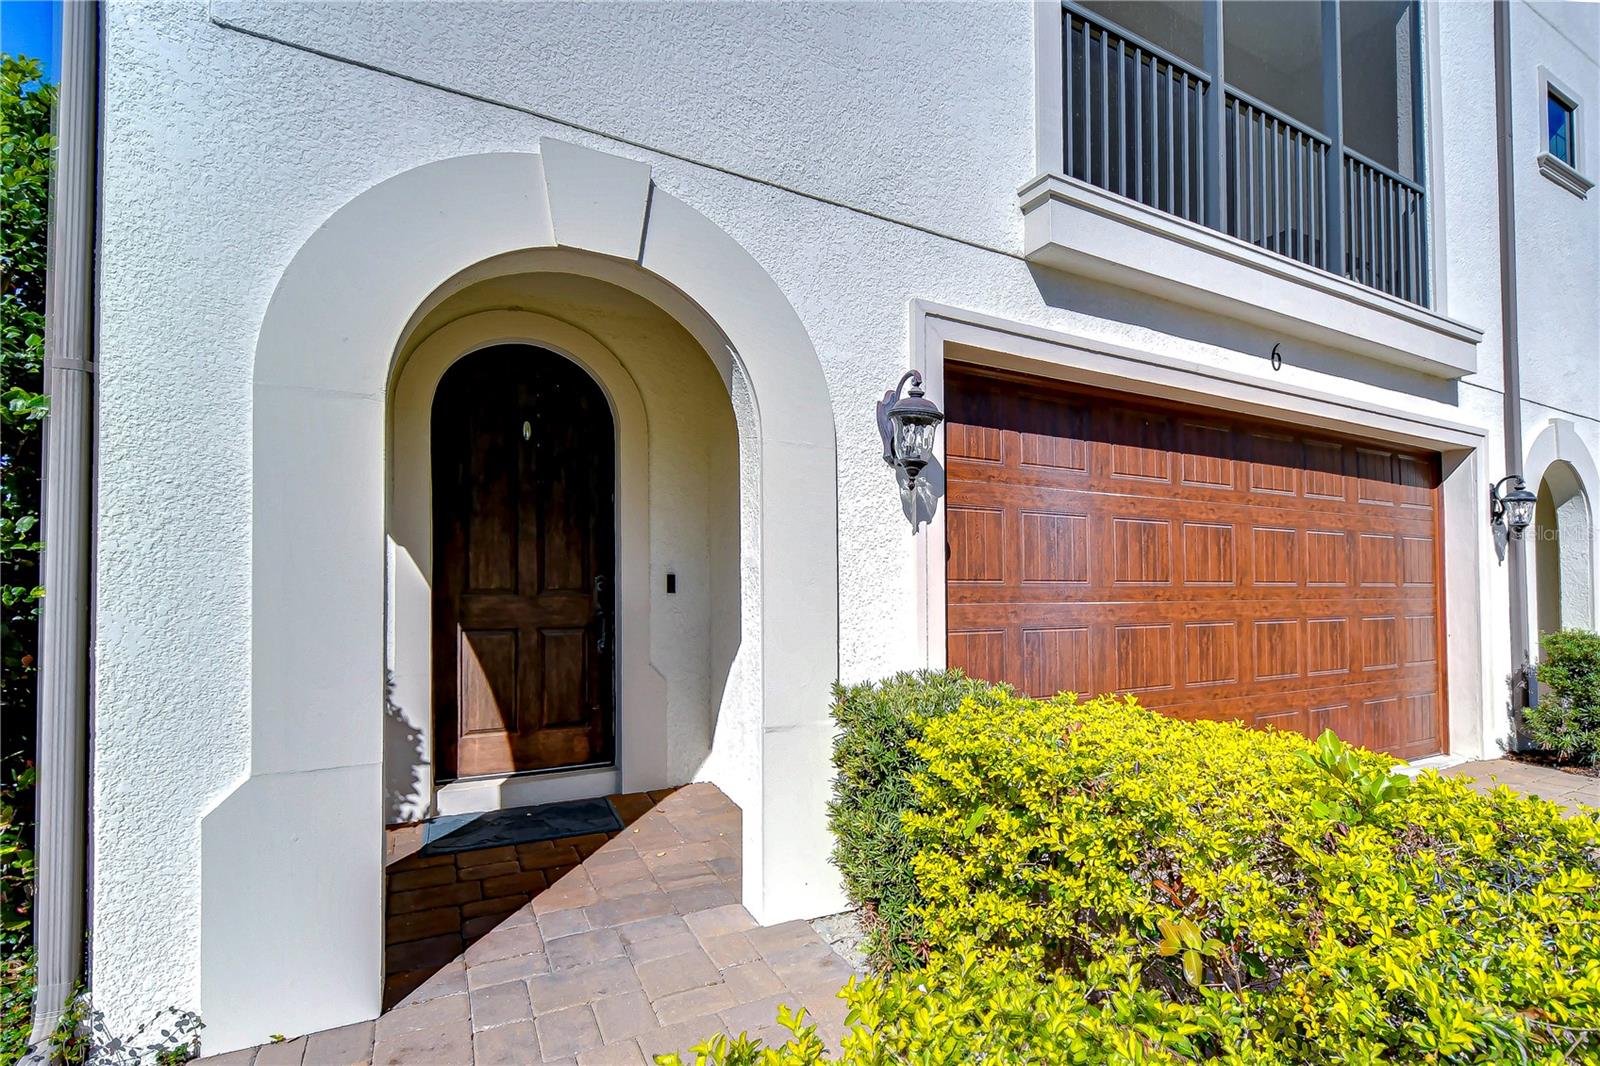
<point x="1519" y="509"/>
<point x="914" y="440"/>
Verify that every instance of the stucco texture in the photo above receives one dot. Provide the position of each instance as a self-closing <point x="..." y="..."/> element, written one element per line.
<point x="864" y="155"/>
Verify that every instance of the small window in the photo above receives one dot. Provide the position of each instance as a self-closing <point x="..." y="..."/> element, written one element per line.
<point x="1565" y="146"/>
<point x="1561" y="133"/>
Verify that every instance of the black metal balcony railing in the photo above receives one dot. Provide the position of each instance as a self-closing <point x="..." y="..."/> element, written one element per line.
<point x="1276" y="195"/>
<point x="1136" y="125"/>
<point x="1134" y="120"/>
<point x="1384" y="229"/>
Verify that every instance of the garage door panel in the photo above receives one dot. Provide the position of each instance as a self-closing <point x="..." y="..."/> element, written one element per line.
<point x="1104" y="542"/>
<point x="1052" y="487"/>
<point x="1057" y="658"/>
<point x="1214" y="568"/>
<point x="1148" y="650"/>
<point x="1100" y="589"/>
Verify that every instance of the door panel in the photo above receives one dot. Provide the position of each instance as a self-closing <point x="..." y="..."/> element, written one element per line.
<point x="1216" y="567"/>
<point x="523" y="551"/>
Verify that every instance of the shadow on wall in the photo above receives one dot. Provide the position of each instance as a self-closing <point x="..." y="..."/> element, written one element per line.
<point x="402" y="749"/>
<point x="1070" y="292"/>
<point x="727" y="552"/>
<point x="920" y="503"/>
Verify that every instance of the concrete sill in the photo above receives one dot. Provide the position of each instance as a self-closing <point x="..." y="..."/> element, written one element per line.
<point x="1072" y="226"/>
<point x="1563" y="175"/>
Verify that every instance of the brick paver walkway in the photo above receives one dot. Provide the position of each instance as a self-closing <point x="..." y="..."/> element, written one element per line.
<point x="642" y="949"/>
<point x="1546" y="782"/>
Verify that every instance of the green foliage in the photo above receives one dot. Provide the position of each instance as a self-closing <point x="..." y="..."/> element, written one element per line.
<point x="1352" y="788"/>
<point x="16" y="865"/>
<point x="25" y="161"/>
<point x="1306" y="902"/>
<point x="872" y="789"/>
<point x="803" y="1046"/>
<point x="26" y="147"/>
<point x="1567" y="720"/>
<point x="17" y="979"/>
<point x="16" y="919"/>
<point x="1099" y="883"/>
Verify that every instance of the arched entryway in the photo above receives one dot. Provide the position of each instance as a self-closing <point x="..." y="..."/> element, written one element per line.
<point x="291" y="858"/>
<point x="524" y="566"/>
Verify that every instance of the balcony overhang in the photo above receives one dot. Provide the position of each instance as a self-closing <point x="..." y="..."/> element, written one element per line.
<point x="1072" y="226"/>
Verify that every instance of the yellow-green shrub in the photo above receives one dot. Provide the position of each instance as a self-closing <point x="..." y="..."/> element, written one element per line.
<point x="984" y="1012"/>
<point x="1102" y="884"/>
<point x="1339" y="911"/>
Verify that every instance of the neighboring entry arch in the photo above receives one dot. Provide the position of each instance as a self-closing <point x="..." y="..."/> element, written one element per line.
<point x="291" y="860"/>
<point x="1563" y="474"/>
<point x="1562" y="533"/>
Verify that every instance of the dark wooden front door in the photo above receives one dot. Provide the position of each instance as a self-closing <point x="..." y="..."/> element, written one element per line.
<point x="1215" y="567"/>
<point x="524" y="533"/>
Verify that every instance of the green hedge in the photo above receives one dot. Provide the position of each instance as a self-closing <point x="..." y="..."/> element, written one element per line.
<point x="1304" y="901"/>
<point x="874" y="766"/>
<point x="1567" y="720"/>
<point x="1100" y="883"/>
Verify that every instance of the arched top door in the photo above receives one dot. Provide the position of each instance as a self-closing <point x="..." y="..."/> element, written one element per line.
<point x="524" y="554"/>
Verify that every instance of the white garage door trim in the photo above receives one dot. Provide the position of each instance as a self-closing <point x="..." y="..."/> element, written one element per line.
<point x="984" y="340"/>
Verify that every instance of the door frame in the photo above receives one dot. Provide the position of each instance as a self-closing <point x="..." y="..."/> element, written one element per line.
<point x="984" y="340"/>
<point x="639" y="725"/>
<point x="525" y="364"/>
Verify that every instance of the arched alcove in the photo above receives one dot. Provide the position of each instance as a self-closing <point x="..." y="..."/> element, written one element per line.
<point x="291" y="859"/>
<point x="1566" y="543"/>
<point x="1563" y="543"/>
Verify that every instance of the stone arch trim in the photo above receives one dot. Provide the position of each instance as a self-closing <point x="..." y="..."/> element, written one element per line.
<point x="1559" y="440"/>
<point x="291" y="859"/>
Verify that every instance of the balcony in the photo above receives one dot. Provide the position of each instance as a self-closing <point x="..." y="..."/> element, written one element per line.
<point x="1164" y="170"/>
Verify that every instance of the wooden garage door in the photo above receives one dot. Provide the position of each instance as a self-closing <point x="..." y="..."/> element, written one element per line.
<point x="1213" y="566"/>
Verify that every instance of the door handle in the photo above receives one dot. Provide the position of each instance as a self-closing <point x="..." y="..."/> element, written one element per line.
<point x="602" y="640"/>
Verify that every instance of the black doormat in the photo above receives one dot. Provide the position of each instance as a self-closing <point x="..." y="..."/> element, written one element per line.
<point x="451" y="833"/>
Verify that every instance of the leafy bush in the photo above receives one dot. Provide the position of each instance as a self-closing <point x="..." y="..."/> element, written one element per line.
<point x="872" y="789"/>
<point x="1306" y="901"/>
<point x="983" y="1012"/>
<point x="1567" y="720"/>
<point x="18" y="975"/>
<point x="26" y="144"/>
<point x="25" y="160"/>
<point x="17" y="971"/>
<point x="1103" y="884"/>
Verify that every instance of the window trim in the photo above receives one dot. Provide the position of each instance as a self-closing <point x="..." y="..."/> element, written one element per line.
<point x="1570" y="176"/>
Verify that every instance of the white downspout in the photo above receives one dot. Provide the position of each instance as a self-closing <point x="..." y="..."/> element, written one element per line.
<point x="1524" y="685"/>
<point x="63" y="707"/>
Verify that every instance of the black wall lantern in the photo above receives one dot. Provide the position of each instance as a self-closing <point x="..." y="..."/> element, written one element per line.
<point x="1511" y="511"/>
<point x="907" y="424"/>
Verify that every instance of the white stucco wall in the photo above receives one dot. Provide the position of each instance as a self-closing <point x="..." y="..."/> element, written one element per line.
<point x="1558" y="275"/>
<point x="865" y="155"/>
<point x="1558" y="233"/>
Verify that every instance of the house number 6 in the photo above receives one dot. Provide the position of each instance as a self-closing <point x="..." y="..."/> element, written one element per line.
<point x="1277" y="359"/>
